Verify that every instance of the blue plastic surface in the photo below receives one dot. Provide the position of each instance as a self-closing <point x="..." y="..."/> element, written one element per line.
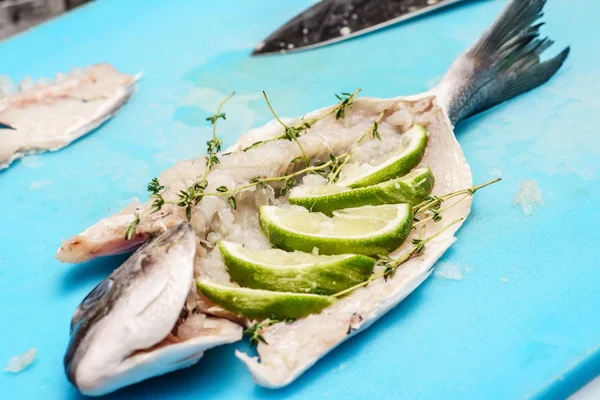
<point x="522" y="323"/>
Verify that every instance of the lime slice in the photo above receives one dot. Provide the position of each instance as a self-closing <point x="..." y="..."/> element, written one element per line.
<point x="297" y="272"/>
<point x="400" y="163"/>
<point x="369" y="230"/>
<point x="411" y="189"/>
<point x="260" y="304"/>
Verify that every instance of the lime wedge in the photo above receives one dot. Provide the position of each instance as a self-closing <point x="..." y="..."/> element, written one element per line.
<point x="414" y="142"/>
<point x="369" y="230"/>
<point x="260" y="304"/>
<point x="296" y="272"/>
<point x="411" y="189"/>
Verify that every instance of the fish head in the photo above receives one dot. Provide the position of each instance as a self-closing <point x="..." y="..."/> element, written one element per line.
<point x="118" y="331"/>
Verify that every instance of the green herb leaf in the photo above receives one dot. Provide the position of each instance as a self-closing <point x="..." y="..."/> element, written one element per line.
<point x="158" y="202"/>
<point x="376" y="134"/>
<point x="259" y="181"/>
<point x="131" y="230"/>
<point x="262" y="339"/>
<point x="419" y="245"/>
<point x="255" y="144"/>
<point x="214" y="118"/>
<point x="346" y="101"/>
<point x="287" y="185"/>
<point x="389" y="271"/>
<point x="253" y="332"/>
<point x="154" y="186"/>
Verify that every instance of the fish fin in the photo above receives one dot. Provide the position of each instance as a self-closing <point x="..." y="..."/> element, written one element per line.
<point x="504" y="63"/>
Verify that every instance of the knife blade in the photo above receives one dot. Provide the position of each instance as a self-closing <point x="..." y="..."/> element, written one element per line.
<point x="331" y="21"/>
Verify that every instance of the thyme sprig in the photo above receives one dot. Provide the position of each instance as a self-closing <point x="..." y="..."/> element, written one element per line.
<point x="214" y="145"/>
<point x="433" y="203"/>
<point x="391" y="265"/>
<point x="194" y="193"/>
<point x="191" y="197"/>
<point x="155" y="189"/>
<point x="291" y="132"/>
<point x="346" y="100"/>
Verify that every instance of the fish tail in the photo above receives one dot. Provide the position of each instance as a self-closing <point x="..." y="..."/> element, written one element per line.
<point x="504" y="63"/>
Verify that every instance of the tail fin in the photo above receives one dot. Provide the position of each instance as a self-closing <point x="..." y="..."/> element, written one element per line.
<point x="504" y="63"/>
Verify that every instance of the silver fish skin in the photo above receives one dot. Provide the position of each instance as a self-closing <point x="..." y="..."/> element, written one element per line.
<point x="134" y="309"/>
<point x="504" y="63"/>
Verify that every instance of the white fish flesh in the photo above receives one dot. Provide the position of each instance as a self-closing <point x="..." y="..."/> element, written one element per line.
<point x="502" y="64"/>
<point x="49" y="115"/>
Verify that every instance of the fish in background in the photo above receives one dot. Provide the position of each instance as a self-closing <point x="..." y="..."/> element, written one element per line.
<point x="49" y="115"/>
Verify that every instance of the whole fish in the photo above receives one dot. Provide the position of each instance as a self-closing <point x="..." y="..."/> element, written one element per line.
<point x="47" y="116"/>
<point x="504" y="63"/>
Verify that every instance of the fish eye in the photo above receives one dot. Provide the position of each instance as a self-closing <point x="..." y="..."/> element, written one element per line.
<point x="96" y="294"/>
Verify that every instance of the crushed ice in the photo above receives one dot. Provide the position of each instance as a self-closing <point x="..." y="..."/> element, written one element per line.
<point x="37" y="184"/>
<point x="496" y="172"/>
<point x="18" y="363"/>
<point x="446" y="270"/>
<point x="33" y="161"/>
<point x="528" y="194"/>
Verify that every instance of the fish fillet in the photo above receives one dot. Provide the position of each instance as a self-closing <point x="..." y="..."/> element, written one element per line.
<point x="49" y="116"/>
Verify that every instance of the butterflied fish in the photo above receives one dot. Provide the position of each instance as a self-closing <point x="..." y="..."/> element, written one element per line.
<point x="504" y="63"/>
<point x="48" y="116"/>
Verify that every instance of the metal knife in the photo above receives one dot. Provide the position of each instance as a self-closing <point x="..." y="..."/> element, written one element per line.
<point x="331" y="21"/>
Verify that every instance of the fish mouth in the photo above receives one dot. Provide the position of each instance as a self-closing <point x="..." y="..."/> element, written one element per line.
<point x="131" y="326"/>
<point x="170" y="354"/>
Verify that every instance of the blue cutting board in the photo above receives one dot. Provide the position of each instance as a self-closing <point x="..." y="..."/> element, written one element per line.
<point x="523" y="321"/>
